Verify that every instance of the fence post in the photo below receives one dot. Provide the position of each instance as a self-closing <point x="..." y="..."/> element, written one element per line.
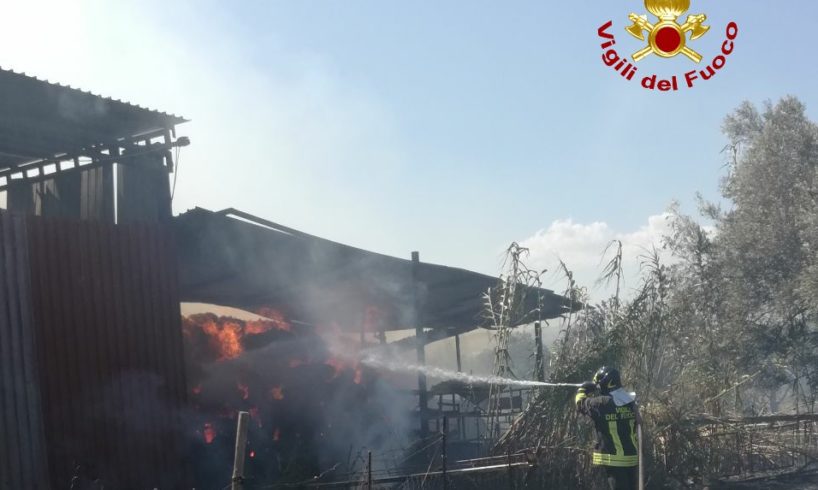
<point x="238" y="457"/>
<point x="640" y="458"/>
<point x="420" y="345"/>
<point x="369" y="471"/>
<point x="443" y="450"/>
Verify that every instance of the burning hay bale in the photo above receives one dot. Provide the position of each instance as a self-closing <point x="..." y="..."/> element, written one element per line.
<point x="310" y="406"/>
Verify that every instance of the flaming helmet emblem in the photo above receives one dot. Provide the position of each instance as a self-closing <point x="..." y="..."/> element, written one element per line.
<point x="667" y="38"/>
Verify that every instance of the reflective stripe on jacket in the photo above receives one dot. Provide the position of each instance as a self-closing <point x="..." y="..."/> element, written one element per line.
<point x="615" y="430"/>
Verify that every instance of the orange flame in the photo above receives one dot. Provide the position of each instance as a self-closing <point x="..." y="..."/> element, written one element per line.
<point x="209" y="433"/>
<point x="252" y="454"/>
<point x="224" y="334"/>
<point x="277" y="392"/>
<point x="255" y="327"/>
<point x="226" y="337"/>
<point x="276" y="318"/>
<point x="339" y="365"/>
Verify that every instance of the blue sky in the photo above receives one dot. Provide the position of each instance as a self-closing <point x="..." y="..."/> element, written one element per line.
<point x="452" y="128"/>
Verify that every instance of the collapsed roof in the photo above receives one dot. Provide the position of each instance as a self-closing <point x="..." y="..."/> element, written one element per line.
<point x="230" y="258"/>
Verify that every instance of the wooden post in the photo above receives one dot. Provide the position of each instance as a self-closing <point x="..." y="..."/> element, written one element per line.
<point x="538" y="353"/>
<point x="369" y="471"/>
<point x="238" y="458"/>
<point x="420" y="345"/>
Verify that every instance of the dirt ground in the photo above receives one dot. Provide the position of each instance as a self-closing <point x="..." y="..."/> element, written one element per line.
<point x="800" y="482"/>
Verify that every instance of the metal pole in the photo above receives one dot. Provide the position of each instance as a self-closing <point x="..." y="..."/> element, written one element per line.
<point x="439" y="411"/>
<point x="640" y="459"/>
<point x="369" y="472"/>
<point x="238" y="458"/>
<point x="419" y="344"/>
<point x="443" y="450"/>
<point x="457" y="350"/>
<point x="641" y="465"/>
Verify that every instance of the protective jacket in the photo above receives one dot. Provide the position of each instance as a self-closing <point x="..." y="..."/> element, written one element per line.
<point x="615" y="429"/>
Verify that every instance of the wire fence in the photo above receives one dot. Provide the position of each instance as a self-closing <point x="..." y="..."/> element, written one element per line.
<point x="500" y="479"/>
<point x="702" y="450"/>
<point x="512" y="471"/>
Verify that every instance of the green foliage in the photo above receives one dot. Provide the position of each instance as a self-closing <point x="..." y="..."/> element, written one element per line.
<point x="727" y="328"/>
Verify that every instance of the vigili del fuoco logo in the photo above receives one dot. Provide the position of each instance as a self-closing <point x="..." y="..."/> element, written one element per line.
<point x="667" y="38"/>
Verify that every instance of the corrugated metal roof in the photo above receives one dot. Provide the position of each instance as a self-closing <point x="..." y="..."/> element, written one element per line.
<point x="250" y="263"/>
<point x="40" y="119"/>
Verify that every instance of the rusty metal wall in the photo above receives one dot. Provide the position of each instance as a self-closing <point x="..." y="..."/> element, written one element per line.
<point x="107" y="323"/>
<point x="22" y="456"/>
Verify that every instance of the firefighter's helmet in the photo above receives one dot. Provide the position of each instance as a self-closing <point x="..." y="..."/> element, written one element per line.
<point x="608" y="379"/>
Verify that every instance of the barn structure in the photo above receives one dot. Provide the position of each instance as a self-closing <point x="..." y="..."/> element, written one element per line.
<point x="93" y="268"/>
<point x="92" y="379"/>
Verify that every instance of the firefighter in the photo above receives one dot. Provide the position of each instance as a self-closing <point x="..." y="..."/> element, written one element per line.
<point x="614" y="413"/>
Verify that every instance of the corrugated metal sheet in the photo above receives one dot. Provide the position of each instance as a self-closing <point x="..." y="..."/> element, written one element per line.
<point x="236" y="259"/>
<point x="40" y="119"/>
<point x="22" y="456"/>
<point x="143" y="189"/>
<point x="106" y="317"/>
<point x="86" y="194"/>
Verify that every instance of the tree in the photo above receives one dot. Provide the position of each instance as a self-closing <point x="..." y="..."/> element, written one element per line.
<point x="728" y="328"/>
<point x="768" y="239"/>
